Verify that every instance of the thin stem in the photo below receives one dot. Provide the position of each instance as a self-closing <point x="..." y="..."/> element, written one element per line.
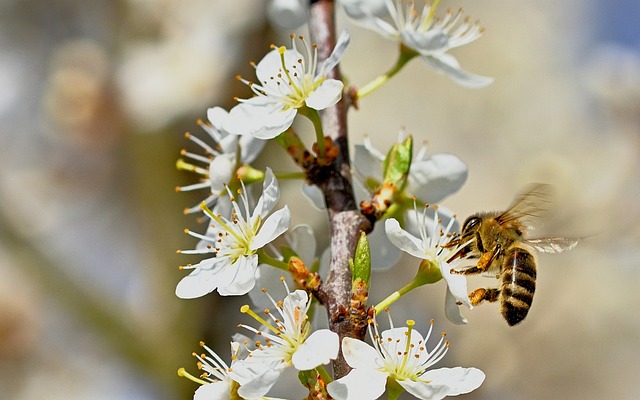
<point x="404" y="57"/>
<point x="264" y="258"/>
<point x="324" y="374"/>
<point x="393" y="297"/>
<point x="314" y="117"/>
<point x="290" y="175"/>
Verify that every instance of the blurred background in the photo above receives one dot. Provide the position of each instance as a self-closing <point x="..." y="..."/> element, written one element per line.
<point x="95" y="97"/>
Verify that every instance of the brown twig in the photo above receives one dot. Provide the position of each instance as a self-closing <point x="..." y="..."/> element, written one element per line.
<point x="345" y="219"/>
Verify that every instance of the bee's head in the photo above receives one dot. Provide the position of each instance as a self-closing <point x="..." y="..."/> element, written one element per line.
<point x="470" y="226"/>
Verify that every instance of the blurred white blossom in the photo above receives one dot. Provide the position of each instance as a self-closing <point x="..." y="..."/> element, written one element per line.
<point x="423" y="33"/>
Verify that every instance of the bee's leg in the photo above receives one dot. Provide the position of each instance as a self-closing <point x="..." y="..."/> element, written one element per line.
<point x="479" y="295"/>
<point x="484" y="262"/>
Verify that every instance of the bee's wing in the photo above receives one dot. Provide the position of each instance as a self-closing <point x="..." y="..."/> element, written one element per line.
<point x="528" y="204"/>
<point x="552" y="245"/>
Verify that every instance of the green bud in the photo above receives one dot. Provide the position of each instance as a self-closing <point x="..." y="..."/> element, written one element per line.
<point x="398" y="162"/>
<point x="428" y="272"/>
<point x="361" y="265"/>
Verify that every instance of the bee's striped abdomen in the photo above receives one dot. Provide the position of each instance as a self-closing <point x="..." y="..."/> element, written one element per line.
<point x="518" y="283"/>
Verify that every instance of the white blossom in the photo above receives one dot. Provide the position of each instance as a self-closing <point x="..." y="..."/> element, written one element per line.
<point x="288" y="14"/>
<point x="431" y="246"/>
<point x="234" y="243"/>
<point x="219" y="164"/>
<point x="216" y="384"/>
<point x="287" y="81"/>
<point x="431" y="177"/>
<point x="422" y="32"/>
<point x="400" y="355"/>
<point x="285" y="341"/>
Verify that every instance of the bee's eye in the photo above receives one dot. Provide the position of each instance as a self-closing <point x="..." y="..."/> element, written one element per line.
<point x="471" y="223"/>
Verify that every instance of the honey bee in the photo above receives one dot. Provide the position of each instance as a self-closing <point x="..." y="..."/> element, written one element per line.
<point x="497" y="240"/>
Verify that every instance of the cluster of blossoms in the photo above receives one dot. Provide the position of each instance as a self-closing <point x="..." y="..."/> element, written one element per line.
<point x="242" y="226"/>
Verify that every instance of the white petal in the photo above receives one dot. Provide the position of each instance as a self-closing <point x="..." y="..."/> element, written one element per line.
<point x="437" y="177"/>
<point x="260" y="116"/>
<point x="326" y="95"/>
<point x="424" y="390"/>
<point x="428" y="41"/>
<point x="217" y="116"/>
<point x="452" y="310"/>
<point x="250" y="148"/>
<point x="367" y="161"/>
<point x="458" y="380"/>
<point x="358" y="385"/>
<point x="337" y="53"/>
<point x="447" y="64"/>
<point x="457" y="284"/>
<point x="288" y="14"/>
<point x="275" y="225"/>
<point x="319" y="348"/>
<point x="367" y="13"/>
<point x="403" y="239"/>
<point x="384" y="254"/>
<point x="202" y="280"/>
<point x="269" y="197"/>
<point x="303" y="242"/>
<point x="297" y="299"/>
<point x="220" y="390"/>
<point x="244" y="278"/>
<point x="359" y="354"/>
<point x="221" y="170"/>
<point x="260" y="384"/>
<point x="274" y="123"/>
<point x="314" y="195"/>
<point x="271" y="65"/>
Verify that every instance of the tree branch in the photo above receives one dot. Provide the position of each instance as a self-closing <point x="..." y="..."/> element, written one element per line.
<point x="345" y="219"/>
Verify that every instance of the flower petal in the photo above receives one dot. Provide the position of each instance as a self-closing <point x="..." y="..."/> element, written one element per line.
<point x="359" y="384"/>
<point x="288" y="14"/>
<point x="244" y="277"/>
<point x="260" y="116"/>
<point x="452" y="310"/>
<point x="336" y="54"/>
<point x="303" y="242"/>
<point x="259" y="384"/>
<point x="314" y="195"/>
<point x="448" y="65"/>
<point x="403" y="239"/>
<point x="359" y="354"/>
<point x="326" y="95"/>
<point x="319" y="348"/>
<point x="458" y="380"/>
<point x="457" y="284"/>
<point x="220" y="390"/>
<point x="424" y="390"/>
<point x="367" y="160"/>
<point x="384" y="254"/>
<point x="425" y="42"/>
<point x="270" y="195"/>
<point x="250" y="148"/>
<point x="275" y="225"/>
<point x="221" y="170"/>
<point x="202" y="280"/>
<point x="436" y="177"/>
